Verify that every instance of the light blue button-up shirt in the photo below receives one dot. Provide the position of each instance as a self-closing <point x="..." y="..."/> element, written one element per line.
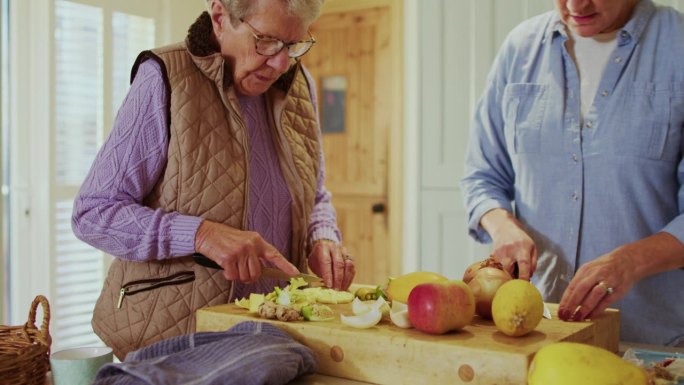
<point x="583" y="187"/>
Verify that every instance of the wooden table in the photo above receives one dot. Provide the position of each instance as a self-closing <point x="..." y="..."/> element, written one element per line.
<point x="386" y="354"/>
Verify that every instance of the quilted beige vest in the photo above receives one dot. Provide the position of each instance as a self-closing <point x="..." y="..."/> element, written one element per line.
<point x="207" y="175"/>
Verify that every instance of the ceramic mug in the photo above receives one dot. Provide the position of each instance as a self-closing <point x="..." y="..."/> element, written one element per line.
<point x="78" y="366"/>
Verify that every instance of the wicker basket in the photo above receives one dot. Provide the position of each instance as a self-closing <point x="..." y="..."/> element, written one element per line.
<point x="25" y="350"/>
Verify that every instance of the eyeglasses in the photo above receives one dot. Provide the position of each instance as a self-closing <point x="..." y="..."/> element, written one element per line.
<point x="271" y="46"/>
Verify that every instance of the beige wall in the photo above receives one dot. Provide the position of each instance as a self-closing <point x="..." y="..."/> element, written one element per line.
<point x="179" y="14"/>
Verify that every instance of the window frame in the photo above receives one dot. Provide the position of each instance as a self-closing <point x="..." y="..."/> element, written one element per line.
<point x="32" y="190"/>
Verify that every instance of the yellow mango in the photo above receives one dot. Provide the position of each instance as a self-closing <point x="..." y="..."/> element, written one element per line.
<point x="571" y="363"/>
<point x="398" y="289"/>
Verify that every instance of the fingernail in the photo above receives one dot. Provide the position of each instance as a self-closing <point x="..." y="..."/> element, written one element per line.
<point x="576" y="313"/>
<point x="578" y="316"/>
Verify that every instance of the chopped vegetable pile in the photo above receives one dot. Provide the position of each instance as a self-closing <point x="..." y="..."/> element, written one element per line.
<point x="295" y="302"/>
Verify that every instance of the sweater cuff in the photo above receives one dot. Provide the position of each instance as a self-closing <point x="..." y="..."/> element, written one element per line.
<point x="183" y="229"/>
<point x="325" y="233"/>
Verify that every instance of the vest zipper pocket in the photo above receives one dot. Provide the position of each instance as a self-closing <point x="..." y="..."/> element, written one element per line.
<point x="142" y="285"/>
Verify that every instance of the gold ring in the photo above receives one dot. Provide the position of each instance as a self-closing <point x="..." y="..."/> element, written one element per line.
<point x="604" y="286"/>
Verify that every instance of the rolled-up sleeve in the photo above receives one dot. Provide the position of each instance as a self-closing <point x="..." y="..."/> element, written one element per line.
<point x="488" y="176"/>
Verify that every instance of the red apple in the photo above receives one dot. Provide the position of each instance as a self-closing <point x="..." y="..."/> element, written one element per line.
<point x="439" y="307"/>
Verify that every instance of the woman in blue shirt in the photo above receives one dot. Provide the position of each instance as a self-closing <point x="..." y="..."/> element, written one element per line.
<point x="574" y="168"/>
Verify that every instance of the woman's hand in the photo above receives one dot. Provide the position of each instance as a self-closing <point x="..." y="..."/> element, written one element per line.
<point x="596" y="285"/>
<point x="608" y="278"/>
<point x="512" y="246"/>
<point x="330" y="261"/>
<point x="241" y="254"/>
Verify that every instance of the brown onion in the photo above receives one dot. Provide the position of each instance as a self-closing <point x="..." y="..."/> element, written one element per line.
<point x="484" y="285"/>
<point x="472" y="269"/>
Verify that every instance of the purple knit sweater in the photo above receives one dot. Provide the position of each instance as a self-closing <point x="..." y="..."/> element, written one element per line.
<point x="108" y="213"/>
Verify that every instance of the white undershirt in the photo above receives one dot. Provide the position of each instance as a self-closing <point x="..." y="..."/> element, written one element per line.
<point x="591" y="55"/>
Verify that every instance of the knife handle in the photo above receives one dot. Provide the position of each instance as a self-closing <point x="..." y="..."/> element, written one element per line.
<point x="206" y="262"/>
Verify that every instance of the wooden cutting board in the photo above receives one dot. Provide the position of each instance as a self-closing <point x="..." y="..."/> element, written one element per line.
<point x="386" y="354"/>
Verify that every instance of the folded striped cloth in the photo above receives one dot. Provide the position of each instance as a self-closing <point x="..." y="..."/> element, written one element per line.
<point x="248" y="353"/>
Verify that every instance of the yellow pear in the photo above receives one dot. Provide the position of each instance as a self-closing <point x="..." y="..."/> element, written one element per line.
<point x="571" y="363"/>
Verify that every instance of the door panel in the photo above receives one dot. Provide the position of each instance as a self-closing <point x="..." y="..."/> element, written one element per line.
<point x="354" y="45"/>
<point x="365" y="236"/>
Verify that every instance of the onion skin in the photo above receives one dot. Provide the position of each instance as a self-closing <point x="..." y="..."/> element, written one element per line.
<point x="484" y="285"/>
<point x="472" y="269"/>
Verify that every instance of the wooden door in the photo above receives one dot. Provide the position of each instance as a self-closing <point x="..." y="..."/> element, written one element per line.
<point x="357" y="90"/>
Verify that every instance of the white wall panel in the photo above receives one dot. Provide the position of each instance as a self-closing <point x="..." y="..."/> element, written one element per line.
<point x="445" y="74"/>
<point x="446" y="247"/>
<point x="431" y="46"/>
<point x="457" y="44"/>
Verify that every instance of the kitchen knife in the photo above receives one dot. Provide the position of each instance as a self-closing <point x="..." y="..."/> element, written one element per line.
<point x="547" y="313"/>
<point x="268" y="272"/>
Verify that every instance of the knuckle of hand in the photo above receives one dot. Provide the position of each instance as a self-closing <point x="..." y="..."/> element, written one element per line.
<point x="252" y="238"/>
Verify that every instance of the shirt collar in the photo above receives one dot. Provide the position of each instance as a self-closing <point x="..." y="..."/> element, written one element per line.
<point x="636" y="25"/>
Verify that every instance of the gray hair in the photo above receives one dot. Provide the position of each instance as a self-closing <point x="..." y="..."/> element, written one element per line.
<point x="306" y="10"/>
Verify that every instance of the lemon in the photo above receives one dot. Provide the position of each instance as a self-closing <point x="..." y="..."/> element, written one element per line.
<point x="517" y="307"/>
<point x="398" y="289"/>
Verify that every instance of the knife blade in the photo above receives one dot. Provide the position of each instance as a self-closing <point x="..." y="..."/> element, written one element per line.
<point x="547" y="312"/>
<point x="268" y="272"/>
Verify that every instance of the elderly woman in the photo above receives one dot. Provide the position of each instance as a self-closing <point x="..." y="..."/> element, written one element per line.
<point x="575" y="166"/>
<point x="216" y="150"/>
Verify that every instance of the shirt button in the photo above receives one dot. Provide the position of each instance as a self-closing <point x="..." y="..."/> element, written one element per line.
<point x="574" y="196"/>
<point x="574" y="157"/>
<point x="618" y="59"/>
<point x="589" y="124"/>
<point x="624" y="34"/>
<point x="604" y="93"/>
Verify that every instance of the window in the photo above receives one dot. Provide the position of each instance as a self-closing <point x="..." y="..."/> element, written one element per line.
<point x="80" y="108"/>
<point x="64" y="92"/>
